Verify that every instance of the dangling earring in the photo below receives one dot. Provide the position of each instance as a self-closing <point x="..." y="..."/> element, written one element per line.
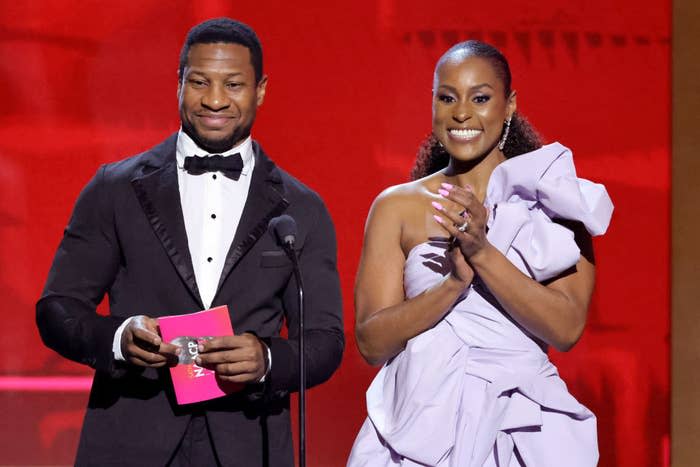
<point x="438" y="144"/>
<point x="502" y="142"/>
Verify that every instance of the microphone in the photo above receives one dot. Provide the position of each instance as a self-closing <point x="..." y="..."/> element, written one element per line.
<point x="285" y="229"/>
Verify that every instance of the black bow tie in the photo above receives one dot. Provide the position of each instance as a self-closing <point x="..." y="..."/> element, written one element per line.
<point x="230" y="166"/>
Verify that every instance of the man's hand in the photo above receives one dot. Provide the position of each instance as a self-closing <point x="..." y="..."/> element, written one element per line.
<point x="142" y="345"/>
<point x="236" y="359"/>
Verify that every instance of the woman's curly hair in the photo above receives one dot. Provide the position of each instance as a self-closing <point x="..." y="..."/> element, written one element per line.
<point x="522" y="137"/>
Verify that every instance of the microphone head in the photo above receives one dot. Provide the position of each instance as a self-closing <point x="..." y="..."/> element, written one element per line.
<point x="285" y="229"/>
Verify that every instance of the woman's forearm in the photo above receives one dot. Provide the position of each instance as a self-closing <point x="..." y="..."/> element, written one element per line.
<point x="550" y="313"/>
<point x="384" y="333"/>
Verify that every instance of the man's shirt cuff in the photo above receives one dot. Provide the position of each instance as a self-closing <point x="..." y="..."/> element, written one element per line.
<point x="117" y="342"/>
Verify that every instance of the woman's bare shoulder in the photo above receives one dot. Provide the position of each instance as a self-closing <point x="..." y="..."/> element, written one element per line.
<point x="415" y="191"/>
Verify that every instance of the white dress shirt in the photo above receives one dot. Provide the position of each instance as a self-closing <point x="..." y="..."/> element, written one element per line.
<point x="212" y="205"/>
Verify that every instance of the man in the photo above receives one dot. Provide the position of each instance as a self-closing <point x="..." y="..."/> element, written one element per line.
<point x="183" y="227"/>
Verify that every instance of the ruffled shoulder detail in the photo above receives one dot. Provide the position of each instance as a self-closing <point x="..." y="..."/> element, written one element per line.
<point x="526" y="192"/>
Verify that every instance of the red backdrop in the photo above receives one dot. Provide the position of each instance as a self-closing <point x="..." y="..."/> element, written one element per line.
<point x="88" y="82"/>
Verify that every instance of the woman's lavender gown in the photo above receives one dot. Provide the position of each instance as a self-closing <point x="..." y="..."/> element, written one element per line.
<point x="476" y="390"/>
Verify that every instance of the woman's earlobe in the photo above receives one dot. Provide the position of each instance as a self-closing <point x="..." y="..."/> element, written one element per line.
<point x="513" y="101"/>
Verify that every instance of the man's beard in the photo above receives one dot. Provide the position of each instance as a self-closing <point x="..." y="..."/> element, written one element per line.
<point x="216" y="146"/>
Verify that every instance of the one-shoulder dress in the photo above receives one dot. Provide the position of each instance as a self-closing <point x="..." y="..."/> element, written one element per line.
<point x="476" y="389"/>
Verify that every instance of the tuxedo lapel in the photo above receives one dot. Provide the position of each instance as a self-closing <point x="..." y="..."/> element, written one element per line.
<point x="157" y="191"/>
<point x="265" y="201"/>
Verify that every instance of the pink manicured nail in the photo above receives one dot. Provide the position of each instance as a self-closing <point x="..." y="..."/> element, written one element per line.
<point x="438" y="219"/>
<point x="198" y="361"/>
<point x="200" y="348"/>
<point x="437" y="205"/>
<point x="447" y="185"/>
<point x="444" y="193"/>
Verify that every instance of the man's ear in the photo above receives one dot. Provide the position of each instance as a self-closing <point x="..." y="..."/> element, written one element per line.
<point x="260" y="89"/>
<point x="179" y="85"/>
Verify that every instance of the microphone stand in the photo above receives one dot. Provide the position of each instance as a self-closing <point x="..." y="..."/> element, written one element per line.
<point x="289" y="248"/>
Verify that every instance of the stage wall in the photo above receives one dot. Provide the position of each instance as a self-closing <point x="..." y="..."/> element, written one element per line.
<point x="88" y="82"/>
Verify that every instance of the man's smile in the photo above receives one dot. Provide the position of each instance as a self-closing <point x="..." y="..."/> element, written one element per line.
<point x="214" y="121"/>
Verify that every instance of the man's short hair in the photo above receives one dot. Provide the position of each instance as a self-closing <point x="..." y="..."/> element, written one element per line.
<point x="228" y="31"/>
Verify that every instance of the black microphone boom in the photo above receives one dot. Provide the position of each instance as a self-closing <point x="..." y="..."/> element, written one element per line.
<point x="285" y="230"/>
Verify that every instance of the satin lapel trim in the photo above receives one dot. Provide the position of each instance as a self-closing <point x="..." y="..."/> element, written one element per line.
<point x="159" y="196"/>
<point x="264" y="202"/>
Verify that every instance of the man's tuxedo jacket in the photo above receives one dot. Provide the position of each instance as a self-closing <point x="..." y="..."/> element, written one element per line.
<point x="126" y="238"/>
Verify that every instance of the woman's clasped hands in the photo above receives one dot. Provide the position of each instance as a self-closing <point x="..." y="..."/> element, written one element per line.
<point x="463" y="217"/>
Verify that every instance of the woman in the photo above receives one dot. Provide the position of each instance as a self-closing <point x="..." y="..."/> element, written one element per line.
<point x="467" y="275"/>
